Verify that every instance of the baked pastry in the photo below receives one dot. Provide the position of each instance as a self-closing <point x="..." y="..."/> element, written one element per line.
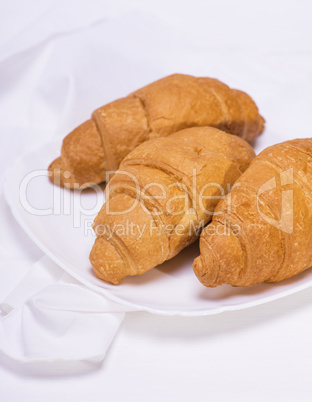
<point x="157" y="110"/>
<point x="162" y="195"/>
<point x="262" y="230"/>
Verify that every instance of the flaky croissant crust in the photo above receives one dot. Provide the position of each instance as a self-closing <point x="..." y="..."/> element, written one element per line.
<point x="192" y="167"/>
<point x="271" y="208"/>
<point x="171" y="104"/>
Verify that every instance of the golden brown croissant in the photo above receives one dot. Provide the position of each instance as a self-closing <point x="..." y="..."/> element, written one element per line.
<point x="163" y="193"/>
<point x="262" y="230"/>
<point x="159" y="109"/>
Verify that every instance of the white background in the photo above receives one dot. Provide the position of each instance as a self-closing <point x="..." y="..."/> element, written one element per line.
<point x="59" y="61"/>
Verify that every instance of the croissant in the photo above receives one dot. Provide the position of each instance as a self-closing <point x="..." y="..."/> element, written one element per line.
<point x="163" y="193"/>
<point x="262" y="230"/>
<point x="159" y="109"/>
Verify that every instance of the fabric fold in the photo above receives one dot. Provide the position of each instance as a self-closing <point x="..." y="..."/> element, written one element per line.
<point x="50" y="316"/>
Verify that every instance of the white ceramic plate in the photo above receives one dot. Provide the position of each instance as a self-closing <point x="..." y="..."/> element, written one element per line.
<point x="64" y="234"/>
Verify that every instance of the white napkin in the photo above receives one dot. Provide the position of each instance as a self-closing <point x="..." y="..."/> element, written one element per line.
<point x="50" y="316"/>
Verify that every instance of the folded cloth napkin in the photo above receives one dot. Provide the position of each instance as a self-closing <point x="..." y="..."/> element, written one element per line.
<point x="50" y="316"/>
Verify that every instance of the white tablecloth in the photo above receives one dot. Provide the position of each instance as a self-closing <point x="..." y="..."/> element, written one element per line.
<point x="70" y="57"/>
